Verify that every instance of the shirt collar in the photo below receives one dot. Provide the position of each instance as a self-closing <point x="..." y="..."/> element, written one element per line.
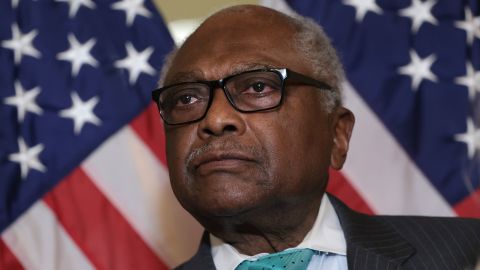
<point x="326" y="235"/>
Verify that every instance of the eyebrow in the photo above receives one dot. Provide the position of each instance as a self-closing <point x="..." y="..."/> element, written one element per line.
<point x="242" y="67"/>
<point x="186" y="76"/>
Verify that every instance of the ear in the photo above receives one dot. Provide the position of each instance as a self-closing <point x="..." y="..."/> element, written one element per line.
<point x="342" y="124"/>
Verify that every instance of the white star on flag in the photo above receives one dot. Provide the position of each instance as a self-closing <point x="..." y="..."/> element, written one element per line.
<point x="419" y="69"/>
<point x="78" y="54"/>
<point x="21" y="44"/>
<point x="132" y="8"/>
<point x="24" y="101"/>
<point x="471" y="137"/>
<point x="76" y="4"/>
<point x="81" y="112"/>
<point x="362" y="7"/>
<point x="471" y="80"/>
<point x="15" y="3"/>
<point x="419" y="12"/>
<point x="27" y="158"/>
<point x="471" y="25"/>
<point x="136" y="62"/>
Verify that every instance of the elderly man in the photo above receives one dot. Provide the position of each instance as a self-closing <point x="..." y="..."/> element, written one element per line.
<point x="253" y="122"/>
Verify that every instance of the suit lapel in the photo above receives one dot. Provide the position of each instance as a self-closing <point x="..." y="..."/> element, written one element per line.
<point x="371" y="242"/>
<point x="202" y="259"/>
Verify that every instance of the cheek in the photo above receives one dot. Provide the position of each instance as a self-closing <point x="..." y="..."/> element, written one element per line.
<point x="299" y="143"/>
<point x="174" y="150"/>
<point x="179" y="141"/>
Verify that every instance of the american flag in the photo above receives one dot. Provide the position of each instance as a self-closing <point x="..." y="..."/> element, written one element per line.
<point x="83" y="180"/>
<point x="413" y="81"/>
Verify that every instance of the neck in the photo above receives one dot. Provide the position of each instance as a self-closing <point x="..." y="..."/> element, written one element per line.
<point x="267" y="230"/>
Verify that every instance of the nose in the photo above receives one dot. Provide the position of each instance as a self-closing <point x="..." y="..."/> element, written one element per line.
<point x="221" y="118"/>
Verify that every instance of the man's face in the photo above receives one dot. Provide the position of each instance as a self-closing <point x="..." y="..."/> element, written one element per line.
<point x="229" y="162"/>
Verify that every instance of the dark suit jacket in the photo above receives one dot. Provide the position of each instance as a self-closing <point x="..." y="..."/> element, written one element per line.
<point x="392" y="242"/>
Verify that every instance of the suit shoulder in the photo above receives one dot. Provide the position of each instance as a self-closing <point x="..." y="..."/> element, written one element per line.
<point x="446" y="229"/>
<point x="456" y="225"/>
<point x="424" y="242"/>
<point x="449" y="242"/>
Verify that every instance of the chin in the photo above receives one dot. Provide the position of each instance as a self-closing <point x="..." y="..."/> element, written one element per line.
<point x="222" y="195"/>
<point x="228" y="205"/>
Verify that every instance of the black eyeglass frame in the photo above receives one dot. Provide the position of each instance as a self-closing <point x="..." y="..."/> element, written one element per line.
<point x="283" y="73"/>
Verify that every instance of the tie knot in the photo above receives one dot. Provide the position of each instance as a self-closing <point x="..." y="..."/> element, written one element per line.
<point x="291" y="259"/>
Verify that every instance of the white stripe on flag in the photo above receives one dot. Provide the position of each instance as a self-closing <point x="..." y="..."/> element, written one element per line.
<point x="137" y="183"/>
<point x="382" y="172"/>
<point x="39" y="241"/>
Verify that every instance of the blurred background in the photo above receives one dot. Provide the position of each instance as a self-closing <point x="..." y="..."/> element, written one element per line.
<point x="184" y="16"/>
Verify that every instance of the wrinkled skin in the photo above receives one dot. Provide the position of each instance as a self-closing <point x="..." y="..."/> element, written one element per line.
<point x="253" y="179"/>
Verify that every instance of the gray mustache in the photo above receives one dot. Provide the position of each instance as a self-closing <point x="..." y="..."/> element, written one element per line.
<point x="227" y="146"/>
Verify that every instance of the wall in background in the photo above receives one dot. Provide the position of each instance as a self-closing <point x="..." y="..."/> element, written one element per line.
<point x="187" y="9"/>
<point x="183" y="16"/>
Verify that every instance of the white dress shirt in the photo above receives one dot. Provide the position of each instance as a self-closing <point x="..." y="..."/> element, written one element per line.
<point x="326" y="236"/>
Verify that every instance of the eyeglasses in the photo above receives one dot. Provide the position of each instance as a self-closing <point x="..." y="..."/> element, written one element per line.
<point x="249" y="91"/>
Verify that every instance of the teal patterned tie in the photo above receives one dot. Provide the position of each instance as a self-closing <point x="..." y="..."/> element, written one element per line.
<point x="292" y="259"/>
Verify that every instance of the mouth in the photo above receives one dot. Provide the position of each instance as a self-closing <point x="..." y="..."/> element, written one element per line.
<point x="220" y="161"/>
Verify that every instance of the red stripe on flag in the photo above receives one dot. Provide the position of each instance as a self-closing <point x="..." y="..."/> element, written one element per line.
<point x="7" y="259"/>
<point x="470" y="206"/>
<point x="148" y="126"/>
<point x="340" y="187"/>
<point x="99" y="230"/>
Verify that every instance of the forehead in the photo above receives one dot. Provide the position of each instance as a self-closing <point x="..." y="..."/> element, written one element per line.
<point x="231" y="42"/>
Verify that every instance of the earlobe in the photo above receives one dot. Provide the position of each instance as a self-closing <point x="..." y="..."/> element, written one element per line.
<point x="342" y="126"/>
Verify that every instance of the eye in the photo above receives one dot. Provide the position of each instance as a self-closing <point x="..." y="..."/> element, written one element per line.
<point x="185" y="100"/>
<point x="255" y="84"/>
<point x="258" y="87"/>
<point x="184" y="97"/>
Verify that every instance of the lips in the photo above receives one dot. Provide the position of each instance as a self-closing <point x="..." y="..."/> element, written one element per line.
<point x="220" y="160"/>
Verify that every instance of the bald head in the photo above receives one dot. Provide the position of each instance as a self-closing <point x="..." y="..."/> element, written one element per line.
<point x="224" y="34"/>
<point x="250" y="14"/>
